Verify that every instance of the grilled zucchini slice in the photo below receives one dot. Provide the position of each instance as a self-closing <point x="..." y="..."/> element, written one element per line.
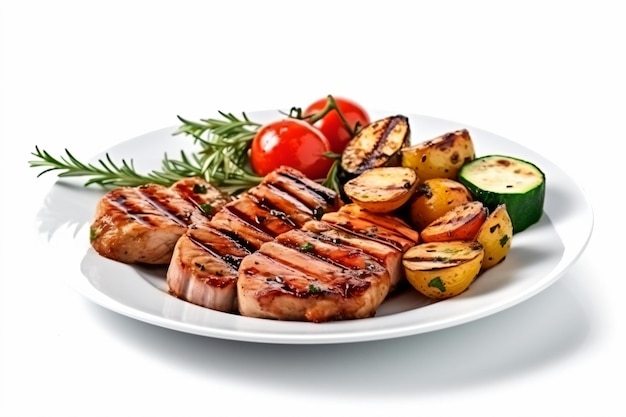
<point x="501" y="179"/>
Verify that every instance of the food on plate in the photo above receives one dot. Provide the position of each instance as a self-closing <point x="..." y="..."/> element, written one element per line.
<point x="383" y="189"/>
<point x="204" y="266"/>
<point x="290" y="142"/>
<point x="441" y="157"/>
<point x="387" y="229"/>
<point x="338" y="118"/>
<point x="460" y="223"/>
<point x="443" y="269"/>
<point x="317" y="215"/>
<point x="433" y="198"/>
<point x="206" y="258"/>
<point x="142" y="224"/>
<point x="340" y="267"/>
<point x="301" y="276"/>
<point x="496" y="236"/>
<point x="375" y="145"/>
<point x="501" y="179"/>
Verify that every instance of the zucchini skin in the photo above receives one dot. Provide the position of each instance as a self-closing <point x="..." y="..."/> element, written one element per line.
<point x="524" y="207"/>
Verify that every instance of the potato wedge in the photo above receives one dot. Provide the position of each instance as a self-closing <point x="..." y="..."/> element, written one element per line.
<point x="441" y="157"/>
<point x="443" y="269"/>
<point x="375" y="145"/>
<point x="460" y="223"/>
<point x="496" y="235"/>
<point x="382" y="190"/>
<point x="433" y="198"/>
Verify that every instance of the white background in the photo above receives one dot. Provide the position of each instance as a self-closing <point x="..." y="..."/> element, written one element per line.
<point x="87" y="75"/>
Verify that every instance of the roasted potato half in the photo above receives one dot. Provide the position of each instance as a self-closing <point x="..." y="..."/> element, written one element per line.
<point x="461" y="223"/>
<point x="376" y="145"/>
<point x="433" y="198"/>
<point x="443" y="269"/>
<point x="382" y="190"/>
<point x="441" y="157"/>
<point x="496" y="235"/>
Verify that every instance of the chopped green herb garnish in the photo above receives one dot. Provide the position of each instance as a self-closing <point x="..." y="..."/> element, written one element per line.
<point x="437" y="283"/>
<point x="306" y="247"/>
<point x="92" y="234"/>
<point x="313" y="289"/>
<point x="207" y="208"/>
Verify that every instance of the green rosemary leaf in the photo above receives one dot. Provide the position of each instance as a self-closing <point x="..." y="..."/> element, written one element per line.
<point x="222" y="158"/>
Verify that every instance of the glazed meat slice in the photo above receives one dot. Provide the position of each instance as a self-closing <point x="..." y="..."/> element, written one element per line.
<point x="204" y="267"/>
<point x="284" y="200"/>
<point x="382" y="227"/>
<point x="315" y="197"/>
<point x="389" y="222"/>
<point x="206" y="197"/>
<point x="388" y="256"/>
<point x="142" y="224"/>
<point x="305" y="276"/>
<point x="383" y="236"/>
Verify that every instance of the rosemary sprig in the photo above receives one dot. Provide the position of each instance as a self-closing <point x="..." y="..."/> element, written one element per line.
<point x="224" y="148"/>
<point x="106" y="172"/>
<point x="222" y="158"/>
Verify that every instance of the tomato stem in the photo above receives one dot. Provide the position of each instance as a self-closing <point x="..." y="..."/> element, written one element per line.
<point x="330" y="105"/>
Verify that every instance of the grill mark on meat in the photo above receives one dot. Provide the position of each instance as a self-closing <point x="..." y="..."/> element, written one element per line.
<point x="142" y="224"/>
<point x="385" y="230"/>
<point x="280" y="281"/>
<point x="282" y="204"/>
<point x="228" y="258"/>
<point x="161" y="206"/>
<point x="247" y="220"/>
<point x="319" y="246"/>
<point x="312" y="194"/>
<point x="202" y="195"/>
<point x="138" y="208"/>
<point x="204" y="268"/>
<point x="372" y="233"/>
<point x="322" y="192"/>
<point x="239" y="240"/>
<point x="255" y="218"/>
<point x="293" y="272"/>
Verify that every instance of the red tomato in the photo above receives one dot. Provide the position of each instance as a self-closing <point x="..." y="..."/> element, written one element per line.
<point x="331" y="126"/>
<point x="290" y="142"/>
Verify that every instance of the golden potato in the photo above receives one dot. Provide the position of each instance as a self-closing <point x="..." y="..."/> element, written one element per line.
<point x="382" y="190"/>
<point x="441" y="157"/>
<point x="434" y="198"/>
<point x="461" y="223"/>
<point x="496" y="235"/>
<point x="443" y="269"/>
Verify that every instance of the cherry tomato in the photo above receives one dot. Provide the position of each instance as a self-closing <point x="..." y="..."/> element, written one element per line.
<point x="332" y="127"/>
<point x="290" y="142"/>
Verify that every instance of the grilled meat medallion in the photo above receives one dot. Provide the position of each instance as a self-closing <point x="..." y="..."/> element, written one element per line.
<point x="286" y="249"/>
<point x="302" y="276"/>
<point x="206" y="259"/>
<point x="142" y="224"/>
<point x="340" y="267"/>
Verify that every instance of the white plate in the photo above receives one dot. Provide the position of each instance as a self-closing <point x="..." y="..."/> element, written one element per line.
<point x="538" y="257"/>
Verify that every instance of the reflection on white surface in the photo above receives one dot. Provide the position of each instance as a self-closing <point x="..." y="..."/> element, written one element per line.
<point x="548" y="327"/>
